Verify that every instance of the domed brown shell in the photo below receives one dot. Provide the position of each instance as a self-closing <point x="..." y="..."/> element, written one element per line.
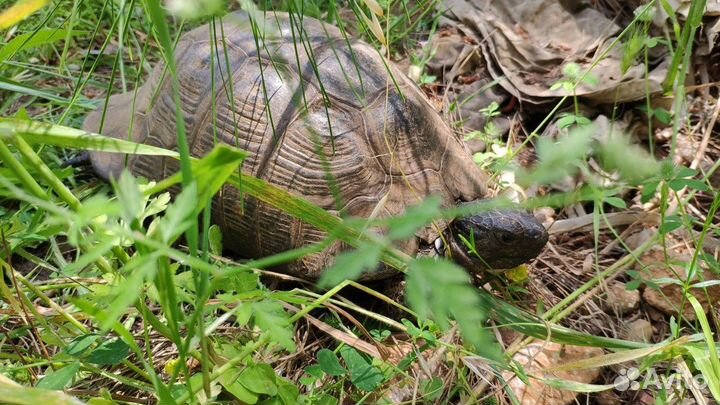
<point x="298" y="108"/>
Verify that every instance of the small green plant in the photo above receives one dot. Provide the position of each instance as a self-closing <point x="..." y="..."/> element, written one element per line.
<point x="659" y="113"/>
<point x="494" y="158"/>
<point x="672" y="178"/>
<point x="426" y="79"/>
<point x="258" y="383"/>
<point x="495" y="151"/>
<point x="574" y="77"/>
<point x="638" y="41"/>
<point x="425" y="331"/>
<point x="490" y="131"/>
<point x="418" y="62"/>
<point x="362" y="372"/>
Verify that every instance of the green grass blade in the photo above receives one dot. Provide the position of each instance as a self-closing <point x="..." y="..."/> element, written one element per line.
<point x="34" y="39"/>
<point x="158" y="17"/>
<point x="15" y="87"/>
<point x="48" y="134"/>
<point x="684" y="47"/>
<point x="17" y="395"/>
<point x="701" y="360"/>
<point x="708" y="361"/>
<point x="623" y="356"/>
<point x="534" y="326"/>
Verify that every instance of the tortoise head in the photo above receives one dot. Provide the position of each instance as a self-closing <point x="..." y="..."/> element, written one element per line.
<point x="495" y="239"/>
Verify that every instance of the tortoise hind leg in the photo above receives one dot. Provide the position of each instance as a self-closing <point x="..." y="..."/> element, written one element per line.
<point x="116" y="125"/>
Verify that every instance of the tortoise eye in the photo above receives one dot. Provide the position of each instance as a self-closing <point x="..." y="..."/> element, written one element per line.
<point x="506" y="237"/>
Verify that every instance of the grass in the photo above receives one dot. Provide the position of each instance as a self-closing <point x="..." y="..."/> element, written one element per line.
<point x="118" y="294"/>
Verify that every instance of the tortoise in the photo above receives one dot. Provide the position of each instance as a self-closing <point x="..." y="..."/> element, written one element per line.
<point x="303" y="110"/>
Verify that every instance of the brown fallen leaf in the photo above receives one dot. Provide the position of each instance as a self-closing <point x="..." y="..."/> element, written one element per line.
<point x="639" y="330"/>
<point x="668" y="298"/>
<point x="536" y="359"/>
<point x="619" y="300"/>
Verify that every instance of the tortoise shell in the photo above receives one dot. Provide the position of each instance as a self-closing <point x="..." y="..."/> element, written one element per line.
<point x="306" y="111"/>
